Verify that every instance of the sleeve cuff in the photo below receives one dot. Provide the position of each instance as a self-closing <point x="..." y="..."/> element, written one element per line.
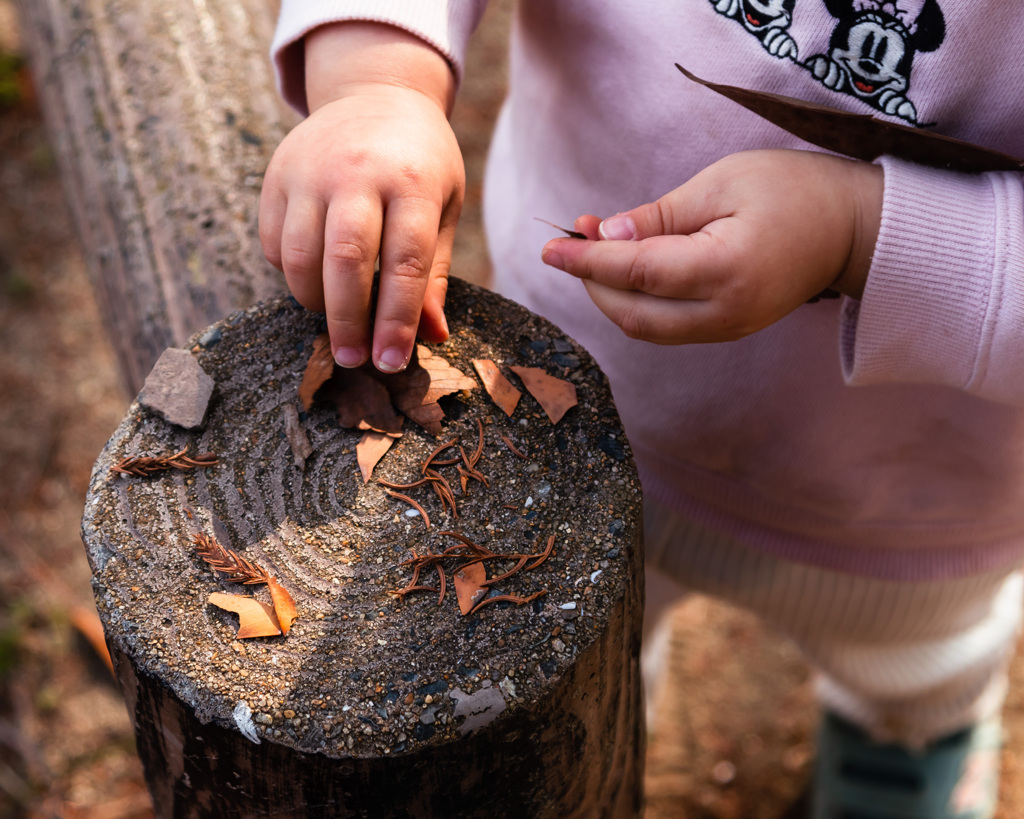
<point x="944" y="299"/>
<point x="446" y="26"/>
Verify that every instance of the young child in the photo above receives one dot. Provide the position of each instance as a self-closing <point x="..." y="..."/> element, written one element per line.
<point x="851" y="469"/>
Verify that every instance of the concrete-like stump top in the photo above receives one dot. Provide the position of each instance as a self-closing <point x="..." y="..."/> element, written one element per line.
<point x="364" y="674"/>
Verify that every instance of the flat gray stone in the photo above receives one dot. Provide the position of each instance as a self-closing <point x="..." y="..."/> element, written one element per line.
<point x="479" y="708"/>
<point x="178" y="389"/>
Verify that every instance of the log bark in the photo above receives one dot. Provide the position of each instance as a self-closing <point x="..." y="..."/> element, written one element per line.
<point x="376" y="705"/>
<point x="163" y="114"/>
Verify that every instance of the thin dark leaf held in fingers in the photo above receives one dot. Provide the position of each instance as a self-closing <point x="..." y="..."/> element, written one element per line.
<point x="862" y="136"/>
<point x="572" y="234"/>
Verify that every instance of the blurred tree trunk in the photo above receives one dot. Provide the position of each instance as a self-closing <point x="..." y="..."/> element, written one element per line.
<point x="163" y="116"/>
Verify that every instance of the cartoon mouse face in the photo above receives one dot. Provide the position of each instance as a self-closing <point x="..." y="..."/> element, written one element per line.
<point x="758" y="15"/>
<point x="872" y="51"/>
<point x="874" y="55"/>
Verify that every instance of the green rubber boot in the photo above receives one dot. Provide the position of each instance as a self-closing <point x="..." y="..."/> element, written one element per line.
<point x="953" y="778"/>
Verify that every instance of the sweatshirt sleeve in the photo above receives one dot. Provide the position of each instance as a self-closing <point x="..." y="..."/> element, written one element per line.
<point x="944" y="299"/>
<point x="444" y="24"/>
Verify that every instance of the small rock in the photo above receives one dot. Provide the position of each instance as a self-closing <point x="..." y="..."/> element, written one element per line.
<point x="297" y="438"/>
<point x="243" y="719"/>
<point x="568" y="361"/>
<point x="210" y="338"/>
<point x="177" y="389"/>
<point x="479" y="709"/>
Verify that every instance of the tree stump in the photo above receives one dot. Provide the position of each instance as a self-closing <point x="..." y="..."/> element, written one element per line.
<point x="376" y="705"/>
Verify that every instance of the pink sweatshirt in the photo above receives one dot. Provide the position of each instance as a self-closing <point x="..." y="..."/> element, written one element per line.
<point x="882" y="437"/>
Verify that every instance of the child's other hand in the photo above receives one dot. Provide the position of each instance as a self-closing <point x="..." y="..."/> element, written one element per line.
<point x="736" y="248"/>
<point x="374" y="169"/>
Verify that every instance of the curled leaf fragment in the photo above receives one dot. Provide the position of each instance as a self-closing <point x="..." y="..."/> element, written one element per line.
<point x="498" y="387"/>
<point x="555" y="395"/>
<point x="255" y="619"/>
<point x="284" y="605"/>
<point x="370" y="449"/>
<point x="469" y="586"/>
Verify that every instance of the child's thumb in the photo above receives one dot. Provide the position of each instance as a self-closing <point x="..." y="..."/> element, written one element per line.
<point x="638" y="223"/>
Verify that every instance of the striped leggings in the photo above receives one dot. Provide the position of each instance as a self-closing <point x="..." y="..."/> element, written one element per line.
<point x="908" y="662"/>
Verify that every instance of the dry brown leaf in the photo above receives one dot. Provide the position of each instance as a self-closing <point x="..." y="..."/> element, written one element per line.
<point x="370" y="449"/>
<point x="469" y="588"/>
<point x="362" y="400"/>
<point x="555" y="395"/>
<point x="417" y="388"/>
<point x="284" y="605"/>
<point x="498" y="387"/>
<point x="862" y="136"/>
<point x="319" y="368"/>
<point x="255" y="619"/>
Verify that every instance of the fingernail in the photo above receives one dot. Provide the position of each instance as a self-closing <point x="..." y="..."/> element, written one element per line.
<point x="553" y="259"/>
<point x="617" y="227"/>
<point x="391" y="360"/>
<point x="349" y="357"/>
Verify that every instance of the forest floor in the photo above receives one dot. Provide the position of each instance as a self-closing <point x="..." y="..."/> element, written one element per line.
<point x="736" y="734"/>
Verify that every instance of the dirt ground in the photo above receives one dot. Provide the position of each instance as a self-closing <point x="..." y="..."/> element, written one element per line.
<point x="736" y="735"/>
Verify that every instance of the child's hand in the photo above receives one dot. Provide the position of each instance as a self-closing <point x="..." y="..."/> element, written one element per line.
<point x="739" y="246"/>
<point x="374" y="169"/>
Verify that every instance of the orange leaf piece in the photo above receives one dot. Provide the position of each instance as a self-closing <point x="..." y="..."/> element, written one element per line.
<point x="370" y="449"/>
<point x="255" y="619"/>
<point x="555" y="395"/>
<point x="498" y="387"/>
<point x="319" y="368"/>
<point x="469" y="588"/>
<point x="416" y="389"/>
<point x="284" y="605"/>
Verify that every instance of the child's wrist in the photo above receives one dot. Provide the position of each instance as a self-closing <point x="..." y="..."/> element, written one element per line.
<point x="867" y="191"/>
<point x="342" y="59"/>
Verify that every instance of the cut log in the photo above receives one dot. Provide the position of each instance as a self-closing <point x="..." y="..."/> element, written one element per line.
<point x="375" y="704"/>
<point x="163" y="114"/>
